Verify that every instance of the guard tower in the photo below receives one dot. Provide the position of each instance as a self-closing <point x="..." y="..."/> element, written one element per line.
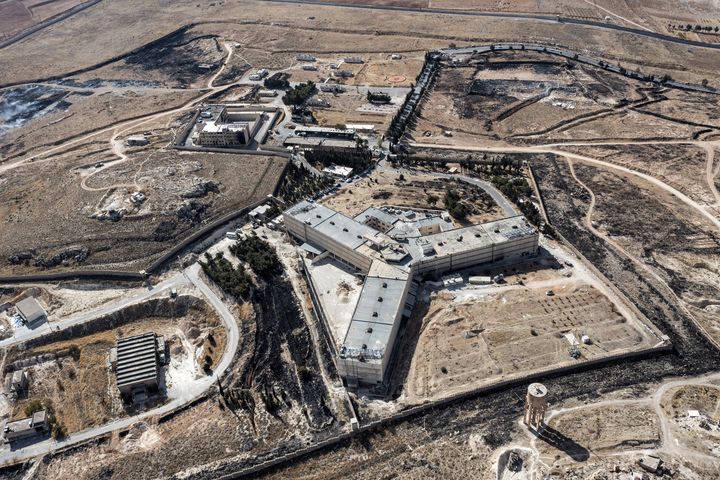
<point x="535" y="406"/>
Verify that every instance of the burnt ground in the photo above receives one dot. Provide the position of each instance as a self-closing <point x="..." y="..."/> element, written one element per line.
<point x="179" y="56"/>
<point x="280" y="328"/>
<point x="676" y="235"/>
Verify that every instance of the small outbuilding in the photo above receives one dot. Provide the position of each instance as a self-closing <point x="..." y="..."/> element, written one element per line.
<point x="26" y="428"/>
<point x="19" y="381"/>
<point x="137" y="141"/>
<point x="31" y="312"/>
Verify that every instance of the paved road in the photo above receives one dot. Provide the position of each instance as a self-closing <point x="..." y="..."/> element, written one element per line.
<point x="24" y="334"/>
<point x="187" y="395"/>
<point x="520" y="16"/>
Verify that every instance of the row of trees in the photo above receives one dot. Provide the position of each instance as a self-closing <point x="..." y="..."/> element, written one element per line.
<point x="519" y="191"/>
<point x="694" y="28"/>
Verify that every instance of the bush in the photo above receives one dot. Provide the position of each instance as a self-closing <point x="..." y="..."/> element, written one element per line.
<point x="58" y="430"/>
<point x="233" y="281"/>
<point x="454" y="206"/>
<point x="74" y="351"/>
<point x="33" y="407"/>
<point x="298" y="183"/>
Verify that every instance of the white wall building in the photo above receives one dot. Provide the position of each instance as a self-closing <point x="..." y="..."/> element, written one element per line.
<point x="390" y="247"/>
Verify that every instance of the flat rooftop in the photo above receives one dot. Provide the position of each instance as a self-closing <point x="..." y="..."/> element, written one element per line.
<point x="137" y="360"/>
<point x="213" y="127"/>
<point x="345" y="230"/>
<point x="310" y="213"/>
<point x="463" y="239"/>
<point x="318" y="141"/>
<point x="30" y="309"/>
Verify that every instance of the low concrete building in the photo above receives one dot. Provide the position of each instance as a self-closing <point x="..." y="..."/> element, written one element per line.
<point x="19" y="381"/>
<point x="232" y="126"/>
<point x="338" y="171"/>
<point x="331" y="87"/>
<point x="137" y="141"/>
<point x="137" y="362"/>
<point x="321" y="144"/>
<point x="26" y="428"/>
<point x="31" y="312"/>
<point x="259" y="212"/>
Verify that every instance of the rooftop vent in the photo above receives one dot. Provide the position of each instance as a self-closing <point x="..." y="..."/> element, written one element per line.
<point x="497" y="230"/>
<point x="515" y="227"/>
<point x="379" y="299"/>
<point x="384" y="284"/>
<point x="477" y="235"/>
<point x="375" y="314"/>
<point x="318" y="215"/>
<point x="369" y="330"/>
<point x="459" y="239"/>
<point x="364" y="347"/>
<point x="332" y="223"/>
<point x="345" y="229"/>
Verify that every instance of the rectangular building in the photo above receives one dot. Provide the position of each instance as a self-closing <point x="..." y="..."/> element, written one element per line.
<point x="137" y="364"/>
<point x="26" y="428"/>
<point x="31" y="312"/>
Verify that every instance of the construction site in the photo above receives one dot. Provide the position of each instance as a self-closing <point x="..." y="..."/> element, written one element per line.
<point x="397" y="239"/>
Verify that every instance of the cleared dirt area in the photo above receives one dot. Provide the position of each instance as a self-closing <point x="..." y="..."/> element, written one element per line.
<point x="354" y="108"/>
<point x="600" y="430"/>
<point x="142" y="22"/>
<point x="40" y="116"/>
<point x="102" y="224"/>
<point x="478" y="335"/>
<point x="533" y="98"/>
<point x="694" y="413"/>
<point x="413" y="191"/>
<point x="683" y="166"/>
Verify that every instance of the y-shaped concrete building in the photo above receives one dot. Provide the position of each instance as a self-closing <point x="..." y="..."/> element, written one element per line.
<point x="391" y="246"/>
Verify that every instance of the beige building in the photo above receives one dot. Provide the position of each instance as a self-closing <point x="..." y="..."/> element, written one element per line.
<point x="390" y="248"/>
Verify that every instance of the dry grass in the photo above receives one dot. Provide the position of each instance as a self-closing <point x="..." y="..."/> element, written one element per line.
<point x="477" y="336"/>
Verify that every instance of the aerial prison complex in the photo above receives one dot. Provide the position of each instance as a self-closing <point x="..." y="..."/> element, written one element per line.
<point x="389" y="247"/>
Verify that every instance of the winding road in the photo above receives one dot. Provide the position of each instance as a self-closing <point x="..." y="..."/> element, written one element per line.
<point x="188" y="394"/>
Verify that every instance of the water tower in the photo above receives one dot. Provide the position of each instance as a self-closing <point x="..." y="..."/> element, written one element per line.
<point x="535" y="405"/>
